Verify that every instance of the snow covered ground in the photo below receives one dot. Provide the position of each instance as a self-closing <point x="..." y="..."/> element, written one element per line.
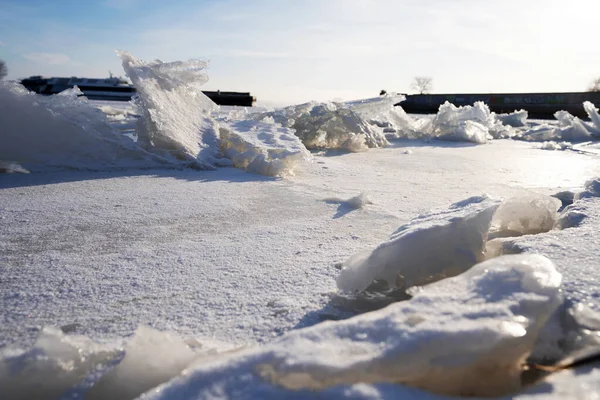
<point x="118" y="273"/>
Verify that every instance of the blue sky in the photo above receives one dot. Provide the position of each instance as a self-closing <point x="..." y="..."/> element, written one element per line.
<point x="288" y="51"/>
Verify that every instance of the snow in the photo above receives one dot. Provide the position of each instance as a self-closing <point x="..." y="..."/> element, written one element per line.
<point x="175" y="112"/>
<point x="62" y="131"/>
<point x="223" y="283"/>
<point x="475" y="344"/>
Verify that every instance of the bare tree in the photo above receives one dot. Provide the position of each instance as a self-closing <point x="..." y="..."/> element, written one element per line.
<point x="3" y="69"/>
<point x="595" y="85"/>
<point x="422" y="84"/>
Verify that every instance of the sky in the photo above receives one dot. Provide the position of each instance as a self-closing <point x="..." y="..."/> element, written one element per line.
<point x="292" y="51"/>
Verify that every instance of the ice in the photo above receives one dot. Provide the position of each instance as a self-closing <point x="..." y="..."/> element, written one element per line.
<point x="175" y="114"/>
<point x="556" y="145"/>
<point x="525" y="215"/>
<point x="467" y="335"/>
<point x="56" y="363"/>
<point x="591" y="189"/>
<point x="63" y="131"/>
<point x="592" y="112"/>
<point x="151" y="358"/>
<point x="570" y="128"/>
<point x="262" y="147"/>
<point x="516" y="119"/>
<point x="468" y="123"/>
<point x="329" y="126"/>
<point x="382" y="112"/>
<point x="428" y="248"/>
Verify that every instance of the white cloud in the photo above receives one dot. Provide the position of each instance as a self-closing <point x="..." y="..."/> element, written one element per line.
<point x="2" y="44"/>
<point x="48" y="58"/>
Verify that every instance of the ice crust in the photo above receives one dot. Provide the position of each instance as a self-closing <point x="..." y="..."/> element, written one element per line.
<point x="428" y="248"/>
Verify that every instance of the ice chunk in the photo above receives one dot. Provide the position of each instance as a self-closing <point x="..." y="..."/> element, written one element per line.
<point x="354" y="203"/>
<point x="556" y="146"/>
<point x="591" y="189"/>
<point x="56" y="363"/>
<point x="428" y="248"/>
<point x="570" y="128"/>
<point x="63" y="131"/>
<point x="592" y="112"/>
<point x="525" y="215"/>
<point x="516" y="119"/>
<point x="468" y="123"/>
<point x="382" y="112"/>
<point x="175" y="114"/>
<point x="262" y="147"/>
<point x="151" y="358"/>
<point x="329" y="126"/>
<point x="463" y="336"/>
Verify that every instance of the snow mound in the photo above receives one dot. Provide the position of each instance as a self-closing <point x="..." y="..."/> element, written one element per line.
<point x="262" y="147"/>
<point x="328" y="126"/>
<point x="526" y="215"/>
<point x="63" y="131"/>
<point x="428" y="248"/>
<point x="467" y="335"/>
<point x="175" y="114"/>
<point x="516" y="119"/>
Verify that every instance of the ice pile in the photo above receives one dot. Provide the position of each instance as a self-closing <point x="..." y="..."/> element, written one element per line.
<point x="469" y="123"/>
<point x="329" y="125"/>
<point x="178" y="118"/>
<point x="63" y="131"/>
<point x="570" y="128"/>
